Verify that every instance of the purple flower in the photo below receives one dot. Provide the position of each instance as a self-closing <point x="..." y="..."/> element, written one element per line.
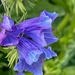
<point x="8" y="32"/>
<point x="37" y="34"/>
<point x="30" y="37"/>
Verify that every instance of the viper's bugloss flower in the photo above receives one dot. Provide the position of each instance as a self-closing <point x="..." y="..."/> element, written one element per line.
<point x="37" y="35"/>
<point x="30" y="37"/>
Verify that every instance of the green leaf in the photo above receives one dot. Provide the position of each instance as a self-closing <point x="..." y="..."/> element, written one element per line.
<point x="21" y="6"/>
<point x="12" y="57"/>
<point x="68" y="71"/>
<point x="63" y="23"/>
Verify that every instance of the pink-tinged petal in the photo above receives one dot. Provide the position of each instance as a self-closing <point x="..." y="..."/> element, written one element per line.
<point x="2" y="35"/>
<point x="9" y="40"/>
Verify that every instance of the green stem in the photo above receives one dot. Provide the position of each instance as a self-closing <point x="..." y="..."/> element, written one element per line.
<point x="63" y="23"/>
<point x="72" y="25"/>
<point x="4" y="5"/>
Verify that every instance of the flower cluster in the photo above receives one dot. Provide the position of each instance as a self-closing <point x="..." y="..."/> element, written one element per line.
<point x="30" y="37"/>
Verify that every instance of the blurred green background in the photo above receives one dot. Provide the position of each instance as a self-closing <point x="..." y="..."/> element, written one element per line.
<point x="64" y="30"/>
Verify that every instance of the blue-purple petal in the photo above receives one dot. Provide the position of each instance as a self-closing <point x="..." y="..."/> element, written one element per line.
<point x="35" y="28"/>
<point x="48" y="53"/>
<point x="49" y="37"/>
<point x="28" y="51"/>
<point x="27" y="23"/>
<point x="20" y="65"/>
<point x="42" y="37"/>
<point x="51" y="15"/>
<point x="35" y="68"/>
<point x="44" y="21"/>
<point x="37" y="36"/>
<point x="7" y="22"/>
<point x="16" y="32"/>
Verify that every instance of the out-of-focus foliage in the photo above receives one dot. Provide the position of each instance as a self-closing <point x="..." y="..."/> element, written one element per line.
<point x="17" y="8"/>
<point x="64" y="29"/>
